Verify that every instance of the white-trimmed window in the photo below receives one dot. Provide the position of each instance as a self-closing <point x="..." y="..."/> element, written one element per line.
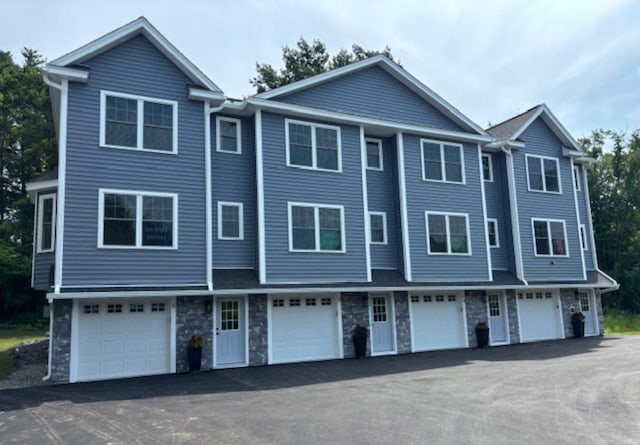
<point x="316" y="228"/>
<point x="487" y="167"/>
<point x="543" y="174"/>
<point x="583" y="237"/>
<point x="378" y="227"/>
<point x="138" y="122"/>
<point x="442" y="161"/>
<point x="549" y="237"/>
<point x="230" y="221"/>
<point x="129" y="219"/>
<point x="492" y="230"/>
<point x="374" y="154"/>
<point x="313" y="146"/>
<point x="46" y="223"/>
<point x="447" y="233"/>
<point x="576" y="177"/>
<point x="228" y="135"/>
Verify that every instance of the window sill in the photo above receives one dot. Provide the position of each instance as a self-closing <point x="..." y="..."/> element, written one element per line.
<point x="303" y="167"/>
<point x="144" y="150"/>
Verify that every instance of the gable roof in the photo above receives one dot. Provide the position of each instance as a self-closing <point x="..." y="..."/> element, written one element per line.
<point x="139" y="26"/>
<point x="395" y="71"/>
<point x="512" y="128"/>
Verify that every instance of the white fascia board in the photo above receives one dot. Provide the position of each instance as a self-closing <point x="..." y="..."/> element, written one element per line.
<point x="584" y="160"/>
<point x="206" y="95"/>
<point x="555" y="125"/>
<point x="140" y="25"/>
<point x="61" y="72"/>
<point x="348" y="119"/>
<point x="571" y="153"/>
<point x="499" y="145"/>
<point x="394" y="70"/>
<point x="42" y="185"/>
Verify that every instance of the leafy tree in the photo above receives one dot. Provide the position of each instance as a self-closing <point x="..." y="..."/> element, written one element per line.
<point x="306" y="60"/>
<point x="27" y="149"/>
<point x="614" y="183"/>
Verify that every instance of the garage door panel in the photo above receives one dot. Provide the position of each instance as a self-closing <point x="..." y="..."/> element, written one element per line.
<point x="303" y="328"/>
<point x="539" y="318"/>
<point x="437" y="321"/>
<point x="113" y="347"/>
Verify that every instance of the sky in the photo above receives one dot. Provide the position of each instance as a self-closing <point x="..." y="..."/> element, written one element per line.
<point x="491" y="59"/>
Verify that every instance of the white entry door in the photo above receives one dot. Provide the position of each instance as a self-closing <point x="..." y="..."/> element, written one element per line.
<point x="589" y="313"/>
<point x="497" y="319"/>
<point x="382" y="318"/>
<point x="230" y="331"/>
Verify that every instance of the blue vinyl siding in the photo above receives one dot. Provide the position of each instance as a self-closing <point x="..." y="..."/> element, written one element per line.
<point x="444" y="197"/>
<point x="382" y="194"/>
<point x="540" y="140"/>
<point x="372" y="92"/>
<point x="497" y="199"/>
<point x="284" y="184"/>
<point x="233" y="179"/>
<point x="42" y="262"/>
<point x="585" y="219"/>
<point x="134" y="67"/>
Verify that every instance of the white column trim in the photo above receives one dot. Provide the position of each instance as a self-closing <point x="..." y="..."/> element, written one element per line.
<point x="62" y="172"/>
<point x="73" y="347"/>
<point x="172" y="335"/>
<point x="208" y="196"/>
<point x="484" y="214"/>
<point x="585" y="187"/>
<point x="404" y="221"/>
<point x="515" y="218"/>
<point x="365" y="202"/>
<point x="262" y="257"/>
<point x="575" y="203"/>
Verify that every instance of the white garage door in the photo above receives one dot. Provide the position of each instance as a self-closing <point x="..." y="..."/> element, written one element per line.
<point x="539" y="315"/>
<point x="123" y="339"/>
<point x="304" y="328"/>
<point x="437" y="321"/>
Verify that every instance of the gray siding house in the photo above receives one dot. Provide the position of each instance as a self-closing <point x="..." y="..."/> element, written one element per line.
<point x="271" y="226"/>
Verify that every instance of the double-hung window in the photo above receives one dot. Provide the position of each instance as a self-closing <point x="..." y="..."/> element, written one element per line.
<point x="228" y="131"/>
<point x="378" y="227"/>
<point x="442" y="161"/>
<point x="230" y="221"/>
<point x="374" y="154"/>
<point x="138" y="123"/>
<point x="492" y="230"/>
<point x="576" y="178"/>
<point x="138" y="219"/>
<point x="46" y="223"/>
<point x="487" y="167"/>
<point x="583" y="237"/>
<point x="543" y="174"/>
<point x="313" y="146"/>
<point x="447" y="233"/>
<point x="316" y="228"/>
<point x="549" y="237"/>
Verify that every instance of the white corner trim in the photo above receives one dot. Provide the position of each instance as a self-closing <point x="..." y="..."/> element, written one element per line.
<point x="172" y="335"/>
<point x="73" y="347"/>
<point x="484" y="214"/>
<point x="262" y="256"/>
<point x="365" y="199"/>
<point x="592" y="239"/>
<point x="208" y="196"/>
<point x="515" y="218"/>
<point x="579" y="224"/>
<point x="62" y="176"/>
<point x="404" y="219"/>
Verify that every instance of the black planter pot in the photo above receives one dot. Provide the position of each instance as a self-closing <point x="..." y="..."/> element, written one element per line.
<point x="578" y="328"/>
<point x="194" y="357"/>
<point x="482" y="334"/>
<point x="360" y="346"/>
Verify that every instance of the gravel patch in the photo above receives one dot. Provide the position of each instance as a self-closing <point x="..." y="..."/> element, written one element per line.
<point x="30" y="365"/>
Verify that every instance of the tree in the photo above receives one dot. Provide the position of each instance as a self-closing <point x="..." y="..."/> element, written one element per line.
<point x="27" y="144"/>
<point x="306" y="60"/>
<point x="614" y="183"/>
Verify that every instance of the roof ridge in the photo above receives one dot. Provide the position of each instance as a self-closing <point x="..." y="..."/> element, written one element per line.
<point x="515" y="117"/>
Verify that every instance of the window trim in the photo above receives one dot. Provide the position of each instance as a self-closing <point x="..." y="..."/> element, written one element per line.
<point x="495" y="222"/>
<point x="41" y="199"/>
<point x="139" y="211"/>
<point x="139" y="123"/>
<point x="541" y="159"/>
<point x="238" y="123"/>
<point x="316" y="221"/>
<point x="314" y="152"/>
<point x="533" y="237"/>
<point x="379" y="143"/>
<point x="490" y="158"/>
<point x="447" y="215"/>
<point x="384" y="228"/>
<point x="442" y="162"/>
<point x="576" y="178"/>
<point x="240" y="207"/>
<point x="584" y="244"/>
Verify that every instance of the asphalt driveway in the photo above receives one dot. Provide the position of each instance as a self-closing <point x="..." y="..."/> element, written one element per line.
<point x="583" y="391"/>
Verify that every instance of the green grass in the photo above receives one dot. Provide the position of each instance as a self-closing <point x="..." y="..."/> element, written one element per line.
<point x="11" y="336"/>
<point x="621" y="322"/>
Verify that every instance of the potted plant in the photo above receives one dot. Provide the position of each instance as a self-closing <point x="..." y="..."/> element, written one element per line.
<point x="194" y="352"/>
<point x="577" y="323"/>
<point x="482" y="334"/>
<point x="360" y="335"/>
